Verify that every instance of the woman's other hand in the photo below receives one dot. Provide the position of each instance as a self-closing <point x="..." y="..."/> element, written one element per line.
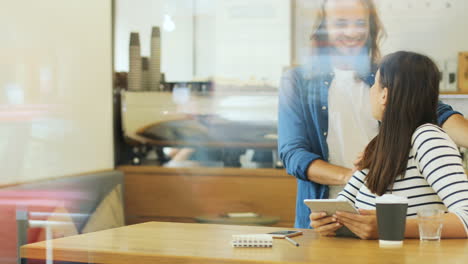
<point x="364" y="225"/>
<point x="323" y="224"/>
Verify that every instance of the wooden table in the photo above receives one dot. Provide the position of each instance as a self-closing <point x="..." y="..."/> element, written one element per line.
<point x="162" y="242"/>
<point x="223" y="220"/>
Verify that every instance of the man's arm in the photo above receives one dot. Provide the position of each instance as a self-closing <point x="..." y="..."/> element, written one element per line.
<point x="322" y="172"/>
<point x="293" y="143"/>
<point x="457" y="128"/>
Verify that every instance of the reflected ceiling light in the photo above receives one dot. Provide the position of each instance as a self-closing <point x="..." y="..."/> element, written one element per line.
<point x="168" y="24"/>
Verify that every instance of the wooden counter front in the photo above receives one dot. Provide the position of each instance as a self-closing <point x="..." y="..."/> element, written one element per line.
<point x="156" y="242"/>
<point x="155" y="193"/>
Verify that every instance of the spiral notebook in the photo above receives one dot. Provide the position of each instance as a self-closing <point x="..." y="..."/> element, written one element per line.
<point x="252" y="240"/>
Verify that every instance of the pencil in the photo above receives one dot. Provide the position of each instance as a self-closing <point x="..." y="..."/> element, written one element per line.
<point x="292" y="241"/>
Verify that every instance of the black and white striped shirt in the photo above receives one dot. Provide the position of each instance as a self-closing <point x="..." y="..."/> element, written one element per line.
<point x="434" y="178"/>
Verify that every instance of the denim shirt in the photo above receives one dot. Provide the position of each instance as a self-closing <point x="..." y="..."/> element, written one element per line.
<point x="303" y="128"/>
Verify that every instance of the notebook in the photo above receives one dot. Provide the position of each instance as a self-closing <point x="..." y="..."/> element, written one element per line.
<point x="252" y="240"/>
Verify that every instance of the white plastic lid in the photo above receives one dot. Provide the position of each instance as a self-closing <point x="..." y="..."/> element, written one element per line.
<point x="391" y="199"/>
<point x="388" y="243"/>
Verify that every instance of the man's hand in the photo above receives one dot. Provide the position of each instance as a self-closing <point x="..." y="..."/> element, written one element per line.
<point x="357" y="161"/>
<point x="347" y="175"/>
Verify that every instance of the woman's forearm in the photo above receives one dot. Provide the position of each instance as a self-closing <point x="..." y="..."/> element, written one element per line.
<point x="452" y="227"/>
<point x="411" y="230"/>
<point x="322" y="172"/>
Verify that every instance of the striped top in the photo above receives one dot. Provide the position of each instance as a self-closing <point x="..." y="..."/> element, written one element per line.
<point x="434" y="178"/>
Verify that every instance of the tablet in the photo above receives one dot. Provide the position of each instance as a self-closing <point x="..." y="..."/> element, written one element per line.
<point x="330" y="206"/>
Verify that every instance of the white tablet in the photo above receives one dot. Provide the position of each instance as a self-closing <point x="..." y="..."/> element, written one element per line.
<point x="330" y="206"/>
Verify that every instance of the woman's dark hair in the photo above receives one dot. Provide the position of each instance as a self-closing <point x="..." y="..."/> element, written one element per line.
<point x="412" y="81"/>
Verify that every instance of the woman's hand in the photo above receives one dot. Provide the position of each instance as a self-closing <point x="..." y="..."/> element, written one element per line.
<point x="323" y="224"/>
<point x="363" y="225"/>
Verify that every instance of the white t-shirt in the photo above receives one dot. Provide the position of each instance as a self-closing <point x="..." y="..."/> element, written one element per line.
<point x="350" y="122"/>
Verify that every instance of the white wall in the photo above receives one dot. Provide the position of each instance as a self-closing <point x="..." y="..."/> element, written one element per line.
<point x="236" y="39"/>
<point x="435" y="27"/>
<point x="177" y="46"/>
<point x="55" y="88"/>
<point x="248" y="39"/>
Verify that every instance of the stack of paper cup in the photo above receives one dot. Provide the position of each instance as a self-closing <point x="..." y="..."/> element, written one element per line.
<point x="134" y="72"/>
<point x="155" y="59"/>
<point x="145" y="78"/>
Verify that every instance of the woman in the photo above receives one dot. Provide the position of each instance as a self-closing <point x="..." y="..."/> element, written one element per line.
<point x="411" y="156"/>
<point x="324" y="119"/>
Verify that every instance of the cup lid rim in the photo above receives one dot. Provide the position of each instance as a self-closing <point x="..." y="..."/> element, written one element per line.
<point x="391" y="199"/>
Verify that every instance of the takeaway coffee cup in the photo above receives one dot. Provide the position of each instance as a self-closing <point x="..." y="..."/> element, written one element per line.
<point x="391" y="219"/>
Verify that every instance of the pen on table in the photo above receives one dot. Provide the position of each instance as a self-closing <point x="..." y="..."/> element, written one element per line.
<point x="292" y="241"/>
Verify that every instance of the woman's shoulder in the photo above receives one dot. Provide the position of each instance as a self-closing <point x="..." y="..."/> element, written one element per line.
<point x="428" y="127"/>
<point x="429" y="132"/>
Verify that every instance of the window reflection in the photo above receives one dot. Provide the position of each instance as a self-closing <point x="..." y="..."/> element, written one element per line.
<point x="222" y="63"/>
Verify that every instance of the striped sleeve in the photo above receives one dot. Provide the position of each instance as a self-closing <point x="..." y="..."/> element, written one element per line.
<point x="353" y="186"/>
<point x="439" y="161"/>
